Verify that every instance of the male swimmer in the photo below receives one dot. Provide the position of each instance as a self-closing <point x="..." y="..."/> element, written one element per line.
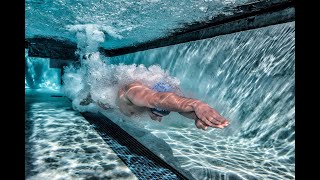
<point x="160" y="100"/>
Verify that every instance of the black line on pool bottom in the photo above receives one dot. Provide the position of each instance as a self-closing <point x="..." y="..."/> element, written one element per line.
<point x="141" y="161"/>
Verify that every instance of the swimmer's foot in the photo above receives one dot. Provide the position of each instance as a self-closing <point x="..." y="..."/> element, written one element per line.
<point x="86" y="101"/>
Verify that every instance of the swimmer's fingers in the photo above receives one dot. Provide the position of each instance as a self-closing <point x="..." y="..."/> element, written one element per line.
<point x="209" y="119"/>
<point x="205" y="120"/>
<point x="214" y="117"/>
<point x="220" y="126"/>
<point x="209" y="123"/>
<point x="220" y="118"/>
<point x="200" y="125"/>
<point x="215" y="123"/>
<point x="212" y="122"/>
<point x="218" y="123"/>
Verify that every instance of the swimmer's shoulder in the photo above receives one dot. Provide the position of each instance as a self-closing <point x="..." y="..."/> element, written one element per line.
<point x="122" y="98"/>
<point x="123" y="91"/>
<point x="134" y="85"/>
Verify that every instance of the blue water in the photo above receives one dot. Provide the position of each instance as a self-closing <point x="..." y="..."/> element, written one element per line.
<point x="124" y="22"/>
<point x="38" y="74"/>
<point x="249" y="77"/>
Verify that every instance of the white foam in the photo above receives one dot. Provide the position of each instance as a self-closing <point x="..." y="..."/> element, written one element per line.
<point x="103" y="81"/>
<point x="100" y="79"/>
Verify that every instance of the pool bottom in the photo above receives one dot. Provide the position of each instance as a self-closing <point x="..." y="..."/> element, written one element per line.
<point x="61" y="144"/>
<point x="208" y="154"/>
<point x="142" y="162"/>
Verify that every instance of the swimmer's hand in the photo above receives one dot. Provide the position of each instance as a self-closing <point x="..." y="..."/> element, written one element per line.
<point x="208" y="117"/>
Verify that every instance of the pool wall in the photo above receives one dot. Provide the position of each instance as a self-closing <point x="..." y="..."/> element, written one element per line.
<point x="247" y="76"/>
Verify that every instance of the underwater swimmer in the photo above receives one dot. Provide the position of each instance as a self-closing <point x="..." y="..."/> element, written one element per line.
<point x="159" y="101"/>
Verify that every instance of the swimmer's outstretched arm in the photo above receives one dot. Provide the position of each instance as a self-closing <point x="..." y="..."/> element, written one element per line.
<point x="204" y="115"/>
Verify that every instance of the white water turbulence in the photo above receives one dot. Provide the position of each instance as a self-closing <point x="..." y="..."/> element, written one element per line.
<point x="97" y="77"/>
<point x="249" y="78"/>
<point x="38" y="74"/>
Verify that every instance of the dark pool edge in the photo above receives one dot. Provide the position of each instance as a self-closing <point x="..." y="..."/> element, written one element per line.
<point x="143" y="163"/>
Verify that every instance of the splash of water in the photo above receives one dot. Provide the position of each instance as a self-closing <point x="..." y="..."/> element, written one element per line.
<point x="100" y="79"/>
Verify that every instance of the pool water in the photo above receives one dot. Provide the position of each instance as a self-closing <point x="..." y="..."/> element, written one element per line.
<point x="248" y="77"/>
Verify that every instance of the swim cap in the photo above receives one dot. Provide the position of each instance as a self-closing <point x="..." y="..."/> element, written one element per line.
<point x="163" y="87"/>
